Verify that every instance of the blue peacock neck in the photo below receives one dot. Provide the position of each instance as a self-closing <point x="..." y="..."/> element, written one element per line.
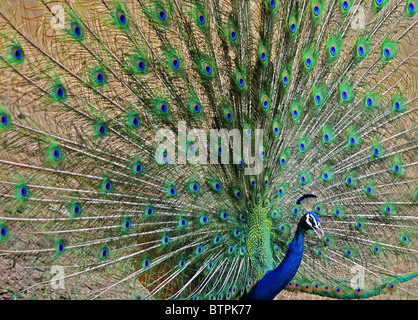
<point x="276" y="280"/>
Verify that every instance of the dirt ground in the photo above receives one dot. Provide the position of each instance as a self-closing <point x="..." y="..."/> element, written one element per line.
<point x="14" y="272"/>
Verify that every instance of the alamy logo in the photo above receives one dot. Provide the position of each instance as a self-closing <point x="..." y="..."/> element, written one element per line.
<point x="357" y="281"/>
<point x="58" y="18"/>
<point x="193" y="147"/>
<point x="358" y="20"/>
<point x="57" y="281"/>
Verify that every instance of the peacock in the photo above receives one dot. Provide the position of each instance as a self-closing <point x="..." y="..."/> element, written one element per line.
<point x="208" y="149"/>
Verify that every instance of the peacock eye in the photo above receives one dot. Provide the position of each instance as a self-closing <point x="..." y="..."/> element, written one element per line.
<point x="292" y="25"/>
<point x="165" y="240"/>
<point x="345" y="5"/>
<point x="17" y="54"/>
<point x="263" y="54"/>
<point x="140" y="64"/>
<point x="101" y="129"/>
<point x="75" y="209"/>
<point x="162" y="107"/>
<point x="233" y="35"/>
<point x="4" y="120"/>
<point x="361" y="49"/>
<point x="295" y="112"/>
<point x="104" y="252"/>
<point x="201" y="18"/>
<point x="238" y="194"/>
<point x="276" y="129"/>
<point x="265" y="102"/>
<point x="121" y="17"/>
<point x="387" y="52"/>
<point x="127" y="224"/>
<point x="302" y="146"/>
<point x="228" y="115"/>
<point x="107" y="186"/>
<point x="316" y="8"/>
<point x="369" y="102"/>
<point x="59" y="92"/>
<point x="412" y="7"/>
<point x="137" y="167"/>
<point x="208" y="69"/>
<point x="76" y="29"/>
<point x="146" y="263"/>
<point x="240" y="80"/>
<point x="318" y="98"/>
<point x="55" y="153"/>
<point x="98" y="75"/>
<point x="161" y="14"/>
<point x="59" y="247"/>
<point x="175" y="63"/>
<point x="333" y="50"/>
<point x="134" y="121"/>
<point x="196" y="107"/>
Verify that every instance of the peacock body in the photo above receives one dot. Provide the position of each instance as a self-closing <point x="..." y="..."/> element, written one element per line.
<point x="161" y="149"/>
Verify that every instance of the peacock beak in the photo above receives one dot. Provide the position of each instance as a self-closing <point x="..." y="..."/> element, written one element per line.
<point x="319" y="232"/>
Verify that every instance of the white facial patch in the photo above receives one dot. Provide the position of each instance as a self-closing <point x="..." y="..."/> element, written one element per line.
<point x="308" y="221"/>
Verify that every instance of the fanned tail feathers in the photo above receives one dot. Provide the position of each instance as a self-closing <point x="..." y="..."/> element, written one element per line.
<point x="91" y="90"/>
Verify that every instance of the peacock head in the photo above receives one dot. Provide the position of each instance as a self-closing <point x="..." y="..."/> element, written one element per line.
<point x="310" y="221"/>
